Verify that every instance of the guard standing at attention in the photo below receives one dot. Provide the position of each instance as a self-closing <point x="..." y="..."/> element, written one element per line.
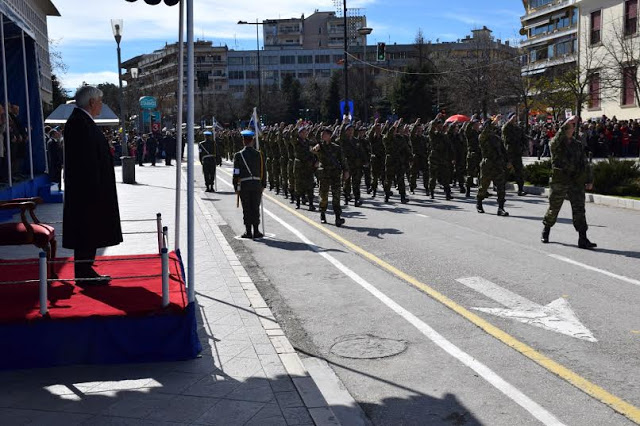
<point x="207" y="154"/>
<point x="249" y="180"/>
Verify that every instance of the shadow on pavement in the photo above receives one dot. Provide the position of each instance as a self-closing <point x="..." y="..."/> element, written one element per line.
<point x="626" y="253"/>
<point x="294" y="246"/>
<point x="562" y="220"/>
<point x="374" y="232"/>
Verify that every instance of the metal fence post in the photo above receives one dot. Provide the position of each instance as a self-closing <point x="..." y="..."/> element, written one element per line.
<point x="165" y="277"/>
<point x="43" y="283"/>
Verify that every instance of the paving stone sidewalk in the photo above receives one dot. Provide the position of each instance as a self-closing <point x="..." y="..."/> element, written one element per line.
<point x="248" y="373"/>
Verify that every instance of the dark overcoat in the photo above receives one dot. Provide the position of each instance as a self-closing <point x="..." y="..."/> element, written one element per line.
<point x="91" y="215"/>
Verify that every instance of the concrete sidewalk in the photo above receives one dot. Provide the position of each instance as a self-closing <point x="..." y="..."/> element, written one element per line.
<point x="248" y="374"/>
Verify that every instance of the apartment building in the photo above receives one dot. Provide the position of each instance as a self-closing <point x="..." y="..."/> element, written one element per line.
<point x="34" y="14"/>
<point x="551" y="30"/>
<point x="156" y="74"/>
<point x="321" y="30"/>
<point x="609" y="54"/>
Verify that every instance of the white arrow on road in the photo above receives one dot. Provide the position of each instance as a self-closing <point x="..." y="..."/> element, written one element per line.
<point x="556" y="316"/>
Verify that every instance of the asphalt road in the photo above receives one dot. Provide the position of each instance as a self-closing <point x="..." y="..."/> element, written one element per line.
<point x="383" y="299"/>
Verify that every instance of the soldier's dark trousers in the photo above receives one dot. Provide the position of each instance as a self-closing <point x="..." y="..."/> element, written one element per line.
<point x="330" y="183"/>
<point x="284" y="174"/>
<point x="517" y="171"/>
<point x="356" y="179"/>
<point x="377" y="171"/>
<point x="209" y="170"/>
<point x="251" y="207"/>
<point x="366" y="171"/>
<point x="575" y="194"/>
<point x="499" y="179"/>
<point x="418" y="165"/>
<point x="442" y="173"/>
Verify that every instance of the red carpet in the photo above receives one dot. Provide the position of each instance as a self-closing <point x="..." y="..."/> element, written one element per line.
<point x="124" y="297"/>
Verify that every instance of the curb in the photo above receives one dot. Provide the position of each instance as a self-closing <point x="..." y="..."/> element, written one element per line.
<point x="603" y="200"/>
<point x="311" y="395"/>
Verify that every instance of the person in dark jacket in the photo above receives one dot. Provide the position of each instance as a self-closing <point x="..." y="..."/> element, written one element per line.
<point x="249" y="180"/>
<point x="169" y="143"/>
<point x="91" y="217"/>
<point x="152" y="148"/>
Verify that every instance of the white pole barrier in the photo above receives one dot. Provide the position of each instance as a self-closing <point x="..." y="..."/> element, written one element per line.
<point x="159" y="226"/>
<point x="7" y="153"/>
<point x="256" y="125"/>
<point x="176" y="241"/>
<point x="190" y="183"/>
<point x="28" y="104"/>
<point x="165" y="277"/>
<point x="43" y="283"/>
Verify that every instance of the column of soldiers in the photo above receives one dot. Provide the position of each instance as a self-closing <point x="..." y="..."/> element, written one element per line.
<point x="336" y="159"/>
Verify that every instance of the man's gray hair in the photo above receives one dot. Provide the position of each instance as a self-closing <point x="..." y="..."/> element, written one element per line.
<point x="85" y="93"/>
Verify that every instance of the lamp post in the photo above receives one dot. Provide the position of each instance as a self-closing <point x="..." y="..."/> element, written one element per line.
<point x="135" y="72"/>
<point x="257" y="24"/>
<point x="346" y="63"/>
<point x="364" y="32"/>
<point x="116" y="26"/>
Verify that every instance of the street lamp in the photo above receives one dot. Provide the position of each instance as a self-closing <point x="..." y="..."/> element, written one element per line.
<point x="364" y="32"/>
<point x="116" y="26"/>
<point x="257" y="24"/>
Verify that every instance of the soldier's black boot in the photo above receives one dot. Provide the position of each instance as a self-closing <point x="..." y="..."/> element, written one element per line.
<point x="404" y="199"/>
<point x="323" y="217"/>
<point x="432" y="194"/>
<point x="375" y="192"/>
<point x="312" y="208"/>
<point x="447" y="192"/>
<point x="501" y="210"/>
<point x="248" y="233"/>
<point x="339" y="220"/>
<point x="357" y="202"/>
<point x="297" y="202"/>
<point x="545" y="234"/>
<point x="277" y="190"/>
<point x="521" y="191"/>
<point x="462" y="189"/>
<point x="468" y="192"/>
<point x="256" y="232"/>
<point x="479" y="207"/>
<point x="387" y="194"/>
<point x="584" y="243"/>
<point x="293" y="198"/>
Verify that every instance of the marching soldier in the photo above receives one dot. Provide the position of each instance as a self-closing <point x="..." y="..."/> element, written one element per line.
<point x="474" y="156"/>
<point x="493" y="166"/>
<point x="249" y="180"/>
<point x="355" y="154"/>
<point x="571" y="176"/>
<point x="303" y="168"/>
<point x="207" y="154"/>
<point x="512" y="137"/>
<point x="332" y="169"/>
<point x="439" y="158"/>
<point x="377" y="156"/>
<point x="458" y="144"/>
<point x="419" y="164"/>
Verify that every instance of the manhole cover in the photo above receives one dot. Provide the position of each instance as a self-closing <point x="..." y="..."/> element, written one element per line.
<point x="368" y="347"/>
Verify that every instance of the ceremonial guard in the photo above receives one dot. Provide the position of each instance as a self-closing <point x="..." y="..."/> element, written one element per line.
<point x="249" y="180"/>
<point x="207" y="154"/>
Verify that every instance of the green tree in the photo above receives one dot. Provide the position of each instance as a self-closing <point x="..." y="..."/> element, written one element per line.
<point x="292" y="92"/>
<point x="111" y="96"/>
<point x="60" y="95"/>
<point x="331" y="103"/>
<point x="412" y="97"/>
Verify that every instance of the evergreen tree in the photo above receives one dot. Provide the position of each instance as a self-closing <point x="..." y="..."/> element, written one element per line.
<point x="412" y="97"/>
<point x="331" y="103"/>
<point x="292" y="91"/>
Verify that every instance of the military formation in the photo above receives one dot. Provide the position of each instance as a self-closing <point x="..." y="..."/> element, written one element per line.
<point x="440" y="155"/>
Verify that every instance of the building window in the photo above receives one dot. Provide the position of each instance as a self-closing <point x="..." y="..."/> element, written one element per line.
<point x="235" y="61"/>
<point x="305" y="59"/>
<point x="236" y="75"/>
<point x="323" y="59"/>
<point x="287" y="60"/>
<point x="252" y="75"/>
<point x="594" y="91"/>
<point x="628" y="86"/>
<point x="305" y="74"/>
<point x="630" y="17"/>
<point x="596" y="18"/>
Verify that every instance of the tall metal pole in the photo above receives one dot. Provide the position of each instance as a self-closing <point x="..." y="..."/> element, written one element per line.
<point x="121" y="97"/>
<point x="28" y="103"/>
<point x="176" y="242"/>
<point x="6" y="102"/>
<point x="346" y="62"/>
<point x="364" y="79"/>
<point x="190" y="139"/>
<point x="259" y="72"/>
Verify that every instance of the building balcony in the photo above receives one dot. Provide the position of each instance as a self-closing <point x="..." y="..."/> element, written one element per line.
<point x="545" y="38"/>
<point x="550" y="8"/>
<point x="541" y="66"/>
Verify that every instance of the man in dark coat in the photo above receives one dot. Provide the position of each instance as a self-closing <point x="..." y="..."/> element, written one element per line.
<point x="169" y="143"/>
<point x="152" y="148"/>
<point x="91" y="216"/>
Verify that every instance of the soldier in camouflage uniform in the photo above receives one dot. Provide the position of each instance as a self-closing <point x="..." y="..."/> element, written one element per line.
<point x="474" y="156"/>
<point x="419" y="163"/>
<point x="398" y="151"/>
<point x="332" y="169"/>
<point x="493" y="166"/>
<point x="284" y="161"/>
<point x="356" y="158"/>
<point x="571" y="176"/>
<point x="513" y="137"/>
<point x="303" y="168"/>
<point x="366" y="167"/>
<point x="265" y="148"/>
<point x="439" y="158"/>
<point x="458" y="144"/>
<point x="377" y="156"/>
<point x="274" y="147"/>
<point x="290" y="138"/>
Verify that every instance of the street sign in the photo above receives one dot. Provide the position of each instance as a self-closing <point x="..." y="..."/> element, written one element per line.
<point x="148" y="102"/>
<point x="155" y="127"/>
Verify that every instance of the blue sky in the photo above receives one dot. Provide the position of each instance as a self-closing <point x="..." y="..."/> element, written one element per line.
<point x="84" y="37"/>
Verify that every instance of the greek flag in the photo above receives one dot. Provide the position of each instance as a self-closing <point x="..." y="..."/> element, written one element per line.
<point x="255" y="124"/>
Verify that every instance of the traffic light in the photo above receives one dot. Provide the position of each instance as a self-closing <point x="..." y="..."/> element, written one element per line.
<point x="155" y="2"/>
<point x="381" y="57"/>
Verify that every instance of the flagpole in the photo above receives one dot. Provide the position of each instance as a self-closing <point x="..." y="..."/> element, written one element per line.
<point x="257" y="127"/>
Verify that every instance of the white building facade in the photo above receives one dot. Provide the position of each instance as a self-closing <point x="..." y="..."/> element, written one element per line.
<point x="610" y="56"/>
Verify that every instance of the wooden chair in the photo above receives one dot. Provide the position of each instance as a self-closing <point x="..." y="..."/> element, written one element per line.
<point x="39" y="234"/>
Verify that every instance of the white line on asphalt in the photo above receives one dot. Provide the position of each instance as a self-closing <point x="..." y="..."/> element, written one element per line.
<point x="422" y="215"/>
<point x="592" y="268"/>
<point x="485" y="372"/>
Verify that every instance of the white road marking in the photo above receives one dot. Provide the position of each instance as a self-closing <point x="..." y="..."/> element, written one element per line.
<point x="482" y="370"/>
<point x="592" y="268"/>
<point x="422" y="215"/>
<point x="557" y="316"/>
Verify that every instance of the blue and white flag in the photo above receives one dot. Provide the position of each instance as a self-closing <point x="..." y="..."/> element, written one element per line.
<point x="255" y="123"/>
